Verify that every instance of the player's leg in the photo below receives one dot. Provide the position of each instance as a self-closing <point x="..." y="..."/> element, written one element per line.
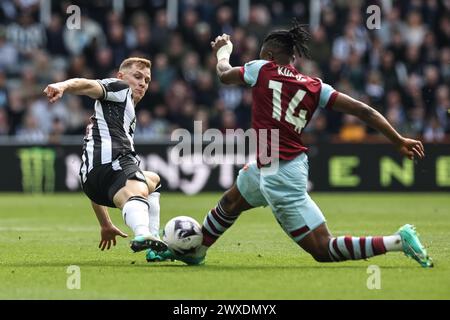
<point x="297" y="214"/>
<point x="244" y="195"/>
<point x="303" y="221"/>
<point x="130" y="194"/>
<point x="220" y="218"/>
<point x="294" y="210"/>
<point x="216" y="222"/>
<point x="153" y="183"/>
<point x="132" y="188"/>
<point x="326" y="248"/>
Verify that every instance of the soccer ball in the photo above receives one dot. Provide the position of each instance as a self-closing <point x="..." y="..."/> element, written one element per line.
<point x="183" y="235"/>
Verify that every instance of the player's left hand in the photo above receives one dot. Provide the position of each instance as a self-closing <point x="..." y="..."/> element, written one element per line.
<point x="108" y="235"/>
<point x="411" y="148"/>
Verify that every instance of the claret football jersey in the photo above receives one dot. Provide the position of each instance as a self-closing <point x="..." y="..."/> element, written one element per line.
<point x="286" y="100"/>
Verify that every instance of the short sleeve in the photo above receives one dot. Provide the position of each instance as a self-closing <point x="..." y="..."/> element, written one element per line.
<point x="327" y="96"/>
<point x="251" y="71"/>
<point x="114" y="90"/>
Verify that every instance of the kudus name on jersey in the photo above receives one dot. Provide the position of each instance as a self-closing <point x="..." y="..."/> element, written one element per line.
<point x="282" y="71"/>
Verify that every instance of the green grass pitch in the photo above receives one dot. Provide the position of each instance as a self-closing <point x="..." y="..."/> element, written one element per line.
<point x="41" y="235"/>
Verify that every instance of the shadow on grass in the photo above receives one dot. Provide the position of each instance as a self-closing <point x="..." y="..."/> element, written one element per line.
<point x="214" y="266"/>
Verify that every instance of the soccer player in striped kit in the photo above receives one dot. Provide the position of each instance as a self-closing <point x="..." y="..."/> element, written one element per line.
<point x="285" y="100"/>
<point x="110" y="173"/>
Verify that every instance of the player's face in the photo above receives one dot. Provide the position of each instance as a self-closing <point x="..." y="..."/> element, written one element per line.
<point x="138" y="79"/>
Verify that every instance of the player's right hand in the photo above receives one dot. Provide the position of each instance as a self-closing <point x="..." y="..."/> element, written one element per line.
<point x="54" y="92"/>
<point x="411" y="148"/>
<point x="108" y="235"/>
<point x="219" y="42"/>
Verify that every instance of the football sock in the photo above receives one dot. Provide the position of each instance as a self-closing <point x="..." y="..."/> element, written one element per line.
<point x="135" y="214"/>
<point x="153" y="213"/>
<point x="393" y="243"/>
<point x="355" y="248"/>
<point x="216" y="222"/>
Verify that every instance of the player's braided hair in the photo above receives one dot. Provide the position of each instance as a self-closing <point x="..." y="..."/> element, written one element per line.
<point x="287" y="41"/>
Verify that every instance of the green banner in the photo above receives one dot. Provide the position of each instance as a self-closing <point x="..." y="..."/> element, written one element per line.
<point x="38" y="169"/>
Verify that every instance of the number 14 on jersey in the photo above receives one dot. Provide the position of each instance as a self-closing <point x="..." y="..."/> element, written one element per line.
<point x="298" y="121"/>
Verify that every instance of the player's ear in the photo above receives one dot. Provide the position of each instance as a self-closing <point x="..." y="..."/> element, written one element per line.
<point x="120" y="75"/>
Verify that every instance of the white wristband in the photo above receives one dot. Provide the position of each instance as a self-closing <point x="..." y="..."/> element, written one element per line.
<point x="225" y="51"/>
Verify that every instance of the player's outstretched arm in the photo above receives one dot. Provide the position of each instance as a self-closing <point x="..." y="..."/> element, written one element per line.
<point x="222" y="48"/>
<point x="108" y="230"/>
<point x="78" y="86"/>
<point x="408" y="147"/>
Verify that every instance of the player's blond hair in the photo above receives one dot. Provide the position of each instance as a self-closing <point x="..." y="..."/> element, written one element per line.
<point x="141" y="62"/>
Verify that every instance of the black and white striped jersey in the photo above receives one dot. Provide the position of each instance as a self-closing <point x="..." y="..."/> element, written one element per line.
<point x="111" y="131"/>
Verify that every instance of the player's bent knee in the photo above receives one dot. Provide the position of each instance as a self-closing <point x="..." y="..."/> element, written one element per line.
<point x="157" y="179"/>
<point x="137" y="188"/>
<point x="133" y="188"/>
<point x="152" y="177"/>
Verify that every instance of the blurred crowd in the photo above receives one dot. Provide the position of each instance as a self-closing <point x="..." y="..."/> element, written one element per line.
<point x="402" y="69"/>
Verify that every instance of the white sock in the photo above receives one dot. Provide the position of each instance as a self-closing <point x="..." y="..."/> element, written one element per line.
<point x="153" y="213"/>
<point x="135" y="215"/>
<point x="393" y="243"/>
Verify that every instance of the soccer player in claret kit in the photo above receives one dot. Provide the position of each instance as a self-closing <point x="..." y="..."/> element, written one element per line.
<point x="285" y="100"/>
<point x="110" y="173"/>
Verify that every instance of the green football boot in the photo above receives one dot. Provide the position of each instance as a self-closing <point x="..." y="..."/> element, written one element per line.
<point x="141" y="243"/>
<point x="412" y="247"/>
<point x="153" y="256"/>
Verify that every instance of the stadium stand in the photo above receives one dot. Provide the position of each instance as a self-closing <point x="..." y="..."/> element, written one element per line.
<point x="402" y="69"/>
